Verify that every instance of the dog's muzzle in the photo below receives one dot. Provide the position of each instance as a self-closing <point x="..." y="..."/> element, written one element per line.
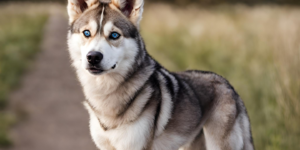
<point x="94" y="59"/>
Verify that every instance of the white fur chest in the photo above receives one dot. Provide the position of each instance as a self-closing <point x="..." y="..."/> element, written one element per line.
<point x="131" y="136"/>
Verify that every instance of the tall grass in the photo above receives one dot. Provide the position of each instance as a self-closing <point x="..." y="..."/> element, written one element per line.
<point x="20" y="35"/>
<point x="256" y="48"/>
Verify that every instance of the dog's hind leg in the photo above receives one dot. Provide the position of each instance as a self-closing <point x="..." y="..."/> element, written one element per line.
<point x="228" y="127"/>
<point x="222" y="131"/>
<point x="197" y="144"/>
<point x="247" y="136"/>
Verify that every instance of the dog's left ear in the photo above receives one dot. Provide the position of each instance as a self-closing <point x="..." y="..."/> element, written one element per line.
<point x="77" y="7"/>
<point x="133" y="9"/>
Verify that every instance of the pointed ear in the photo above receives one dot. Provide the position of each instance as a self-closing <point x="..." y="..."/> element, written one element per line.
<point x="77" y="7"/>
<point x="133" y="9"/>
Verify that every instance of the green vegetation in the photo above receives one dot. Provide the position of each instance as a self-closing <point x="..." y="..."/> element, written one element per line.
<point x="214" y="2"/>
<point x="256" y="48"/>
<point x="20" y="36"/>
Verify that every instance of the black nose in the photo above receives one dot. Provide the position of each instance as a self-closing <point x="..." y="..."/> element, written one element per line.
<point x="94" y="57"/>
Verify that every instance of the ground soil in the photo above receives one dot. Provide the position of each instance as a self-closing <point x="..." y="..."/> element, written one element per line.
<point x="52" y="97"/>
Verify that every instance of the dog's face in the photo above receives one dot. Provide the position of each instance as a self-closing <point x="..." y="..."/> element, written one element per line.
<point x="103" y="35"/>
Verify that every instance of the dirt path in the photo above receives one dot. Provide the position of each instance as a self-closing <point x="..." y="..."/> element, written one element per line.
<point x="52" y="96"/>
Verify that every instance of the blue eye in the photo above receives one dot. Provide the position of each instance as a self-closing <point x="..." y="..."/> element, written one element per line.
<point x="86" y="33"/>
<point x="114" y="35"/>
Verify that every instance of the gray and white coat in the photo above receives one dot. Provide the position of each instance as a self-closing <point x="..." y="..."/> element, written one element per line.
<point x="136" y="104"/>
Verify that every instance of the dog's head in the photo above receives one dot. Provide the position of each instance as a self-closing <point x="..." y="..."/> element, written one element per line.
<point x="104" y="36"/>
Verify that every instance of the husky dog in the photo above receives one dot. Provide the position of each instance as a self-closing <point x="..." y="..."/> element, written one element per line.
<point x="136" y="104"/>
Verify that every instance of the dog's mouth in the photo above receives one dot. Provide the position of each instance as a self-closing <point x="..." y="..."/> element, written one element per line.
<point x="96" y="70"/>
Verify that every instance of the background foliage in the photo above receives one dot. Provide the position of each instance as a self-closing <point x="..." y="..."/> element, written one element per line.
<point x="20" y="36"/>
<point x="214" y="2"/>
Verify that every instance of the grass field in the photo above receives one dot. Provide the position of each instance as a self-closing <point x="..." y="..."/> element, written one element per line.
<point x="21" y="29"/>
<point x="256" y="48"/>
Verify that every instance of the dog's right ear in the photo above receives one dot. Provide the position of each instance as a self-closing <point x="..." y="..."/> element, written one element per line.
<point x="133" y="9"/>
<point x="77" y="7"/>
